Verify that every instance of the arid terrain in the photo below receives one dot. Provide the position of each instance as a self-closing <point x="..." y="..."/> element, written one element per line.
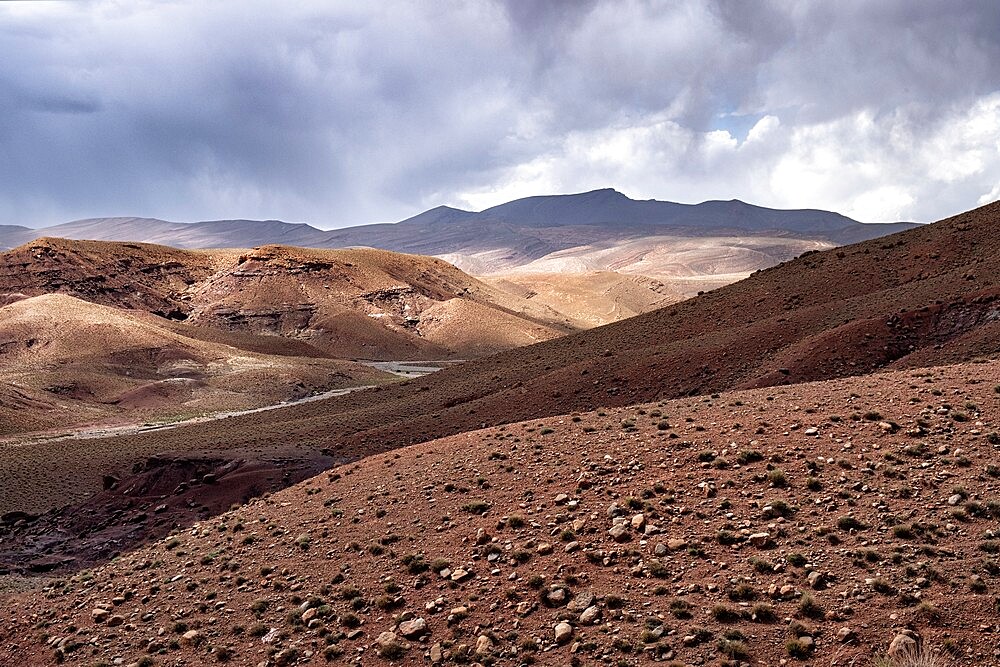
<point x="560" y="240"/>
<point x="68" y="362"/>
<point x="589" y="298"/>
<point x="799" y="466"/>
<point x="817" y="523"/>
<point x="363" y="303"/>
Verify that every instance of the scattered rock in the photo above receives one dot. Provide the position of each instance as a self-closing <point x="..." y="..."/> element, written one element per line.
<point x="413" y="628"/>
<point x="563" y="632"/>
<point x="590" y="615"/>
<point x="902" y="645"/>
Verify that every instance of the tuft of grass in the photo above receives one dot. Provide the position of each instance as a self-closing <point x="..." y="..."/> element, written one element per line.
<point x="797" y="648"/>
<point x="734" y="649"/>
<point x="809" y="607"/>
<point x="477" y="507"/>
<point x="725" y="614"/>
<point x="919" y="658"/>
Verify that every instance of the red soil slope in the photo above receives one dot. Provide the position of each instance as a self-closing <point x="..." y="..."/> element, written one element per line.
<point x="816" y="522"/>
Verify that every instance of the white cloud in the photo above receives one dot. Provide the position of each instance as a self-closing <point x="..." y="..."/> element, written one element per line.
<point x="873" y="168"/>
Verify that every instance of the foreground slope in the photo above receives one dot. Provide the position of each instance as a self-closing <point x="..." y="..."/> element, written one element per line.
<point x="68" y="361"/>
<point x="819" y="522"/>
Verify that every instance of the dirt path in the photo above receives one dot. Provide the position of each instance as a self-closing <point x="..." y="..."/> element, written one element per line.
<point x="401" y="368"/>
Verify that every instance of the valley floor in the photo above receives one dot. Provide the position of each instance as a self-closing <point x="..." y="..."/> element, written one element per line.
<point x="815" y="522"/>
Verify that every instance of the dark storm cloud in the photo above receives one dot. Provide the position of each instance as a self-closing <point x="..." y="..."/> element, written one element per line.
<point x="342" y="112"/>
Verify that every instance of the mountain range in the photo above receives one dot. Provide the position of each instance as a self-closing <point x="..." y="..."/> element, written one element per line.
<point x="512" y="235"/>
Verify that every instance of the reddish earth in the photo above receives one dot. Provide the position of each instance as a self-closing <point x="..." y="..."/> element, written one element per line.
<point x="778" y="524"/>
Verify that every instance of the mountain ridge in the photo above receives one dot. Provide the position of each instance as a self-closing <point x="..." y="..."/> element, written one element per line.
<point x="595" y="207"/>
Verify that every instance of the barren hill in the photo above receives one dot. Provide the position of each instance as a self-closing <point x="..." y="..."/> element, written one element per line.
<point x="140" y="276"/>
<point x="592" y="298"/>
<point x="369" y="303"/>
<point x="347" y="303"/>
<point x="67" y="361"/>
<point x="923" y="297"/>
<point x="826" y="523"/>
<point x="672" y="491"/>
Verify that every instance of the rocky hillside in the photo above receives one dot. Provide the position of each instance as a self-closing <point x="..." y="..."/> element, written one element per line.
<point x="823" y="523"/>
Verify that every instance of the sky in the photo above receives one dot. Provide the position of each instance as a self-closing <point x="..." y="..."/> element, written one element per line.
<point x="341" y="113"/>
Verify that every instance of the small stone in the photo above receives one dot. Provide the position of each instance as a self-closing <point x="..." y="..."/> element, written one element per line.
<point x="619" y="533"/>
<point x="386" y="639"/>
<point x="816" y="580"/>
<point x="460" y="574"/>
<point x="955" y="499"/>
<point x="590" y="615"/>
<point x="760" y="539"/>
<point x="563" y="632"/>
<point x="676" y="543"/>
<point x="414" y="628"/>
<point x="100" y="615"/>
<point x="544" y="549"/>
<point x="437" y="655"/>
<point x="561" y="499"/>
<point x="556" y="596"/>
<point x="845" y="635"/>
<point x="483" y="646"/>
<point x="638" y="521"/>
<point x="581" y="601"/>
<point x="191" y="638"/>
<point x="116" y="620"/>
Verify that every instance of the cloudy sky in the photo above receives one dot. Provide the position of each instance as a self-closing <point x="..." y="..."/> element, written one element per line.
<point x="340" y="113"/>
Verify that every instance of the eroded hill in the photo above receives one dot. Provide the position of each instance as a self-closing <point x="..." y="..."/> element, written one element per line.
<point x="919" y="298"/>
<point x="348" y="303"/>
<point x="66" y="362"/>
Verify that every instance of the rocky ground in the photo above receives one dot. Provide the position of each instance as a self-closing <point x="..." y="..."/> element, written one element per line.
<point x="822" y="523"/>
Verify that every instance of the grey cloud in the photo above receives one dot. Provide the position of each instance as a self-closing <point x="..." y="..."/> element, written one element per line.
<point x="341" y="112"/>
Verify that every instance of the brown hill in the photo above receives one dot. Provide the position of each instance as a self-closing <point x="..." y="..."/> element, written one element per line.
<point x="590" y="298"/>
<point x="347" y="303"/>
<point x="922" y="297"/>
<point x="766" y="527"/>
<point x="141" y="276"/>
<point x="371" y="304"/>
<point x="67" y="361"/>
